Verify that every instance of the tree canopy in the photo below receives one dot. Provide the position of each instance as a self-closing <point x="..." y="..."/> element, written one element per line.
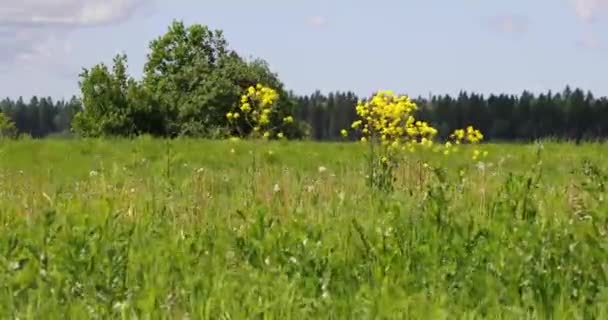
<point x="191" y="80"/>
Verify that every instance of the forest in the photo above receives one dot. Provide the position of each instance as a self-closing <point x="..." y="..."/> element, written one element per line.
<point x="572" y="114"/>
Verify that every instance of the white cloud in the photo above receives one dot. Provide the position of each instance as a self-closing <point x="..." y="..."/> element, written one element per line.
<point x="37" y="30"/>
<point x="316" y="21"/>
<point x="586" y="10"/>
<point x="37" y="13"/>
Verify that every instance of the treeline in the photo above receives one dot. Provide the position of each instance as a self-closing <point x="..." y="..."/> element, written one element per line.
<point x="567" y="115"/>
<point x="41" y="117"/>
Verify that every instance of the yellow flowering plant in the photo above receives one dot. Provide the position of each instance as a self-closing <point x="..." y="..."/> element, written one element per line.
<point x="257" y="114"/>
<point x="386" y="122"/>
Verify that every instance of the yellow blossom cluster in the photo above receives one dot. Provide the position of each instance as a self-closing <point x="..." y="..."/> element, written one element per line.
<point x="389" y="119"/>
<point x="470" y="135"/>
<point x="256" y="109"/>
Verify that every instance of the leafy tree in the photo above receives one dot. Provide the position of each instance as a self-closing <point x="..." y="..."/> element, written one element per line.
<point x="196" y="79"/>
<point x="114" y="103"/>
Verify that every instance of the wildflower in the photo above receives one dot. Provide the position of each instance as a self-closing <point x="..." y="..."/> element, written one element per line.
<point x="264" y="119"/>
<point x="476" y="154"/>
<point x="266" y="134"/>
<point x="288" y="119"/>
<point x="344" y="133"/>
<point x="276" y="188"/>
<point x="280" y="135"/>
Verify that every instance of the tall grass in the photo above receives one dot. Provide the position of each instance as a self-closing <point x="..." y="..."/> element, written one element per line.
<point x="217" y="230"/>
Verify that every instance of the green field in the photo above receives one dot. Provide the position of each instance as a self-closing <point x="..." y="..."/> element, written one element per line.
<point x="192" y="229"/>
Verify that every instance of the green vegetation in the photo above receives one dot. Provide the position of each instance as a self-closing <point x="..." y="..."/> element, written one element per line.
<point x="197" y="229"/>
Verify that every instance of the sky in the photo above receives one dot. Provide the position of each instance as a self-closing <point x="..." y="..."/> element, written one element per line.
<point x="416" y="47"/>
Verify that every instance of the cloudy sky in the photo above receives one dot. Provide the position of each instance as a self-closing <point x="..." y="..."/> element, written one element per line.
<point x="410" y="46"/>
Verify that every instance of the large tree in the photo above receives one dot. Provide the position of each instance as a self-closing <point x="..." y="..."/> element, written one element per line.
<point x="197" y="79"/>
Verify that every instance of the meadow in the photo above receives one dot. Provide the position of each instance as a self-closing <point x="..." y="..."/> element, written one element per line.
<point x="196" y="229"/>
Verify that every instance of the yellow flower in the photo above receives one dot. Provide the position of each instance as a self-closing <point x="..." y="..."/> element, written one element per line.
<point x="229" y="115"/>
<point x="363" y="139"/>
<point x="236" y="115"/>
<point x="288" y="119"/>
<point x="344" y="133"/>
<point x="246" y="107"/>
<point x="475" y="154"/>
<point x="264" y="119"/>
<point x="266" y="134"/>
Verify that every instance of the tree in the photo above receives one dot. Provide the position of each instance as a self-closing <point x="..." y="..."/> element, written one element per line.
<point x="115" y="104"/>
<point x="196" y="79"/>
<point x="7" y="127"/>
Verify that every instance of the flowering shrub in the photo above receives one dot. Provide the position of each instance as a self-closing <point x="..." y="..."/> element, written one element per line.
<point x="388" y="124"/>
<point x="258" y="116"/>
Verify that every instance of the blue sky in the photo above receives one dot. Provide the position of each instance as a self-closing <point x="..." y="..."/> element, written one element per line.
<point x="410" y="46"/>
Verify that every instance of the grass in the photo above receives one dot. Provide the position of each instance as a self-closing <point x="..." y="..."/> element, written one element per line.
<point x="194" y="229"/>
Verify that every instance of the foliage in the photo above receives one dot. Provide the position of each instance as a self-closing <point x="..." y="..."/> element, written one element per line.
<point x="41" y="117"/>
<point x="572" y="114"/>
<point x="258" y="115"/>
<point x="7" y="127"/>
<point x="191" y="80"/>
<point x="196" y="79"/>
<point x="387" y="123"/>
<point x="115" y="104"/>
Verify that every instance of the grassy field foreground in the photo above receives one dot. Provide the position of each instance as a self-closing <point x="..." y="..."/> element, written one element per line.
<point x="230" y="230"/>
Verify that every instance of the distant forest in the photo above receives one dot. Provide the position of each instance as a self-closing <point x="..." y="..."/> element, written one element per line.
<point x="569" y="115"/>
